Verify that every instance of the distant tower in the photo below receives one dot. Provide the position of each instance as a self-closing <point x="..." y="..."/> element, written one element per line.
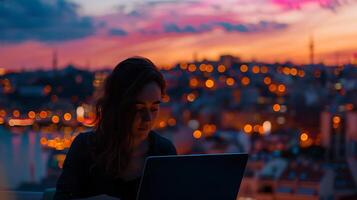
<point x="54" y="60"/>
<point x="311" y="48"/>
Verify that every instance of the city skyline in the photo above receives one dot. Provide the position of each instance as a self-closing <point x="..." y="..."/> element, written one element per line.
<point x="101" y="34"/>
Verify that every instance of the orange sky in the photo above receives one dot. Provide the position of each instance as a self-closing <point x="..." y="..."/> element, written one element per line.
<point x="172" y="31"/>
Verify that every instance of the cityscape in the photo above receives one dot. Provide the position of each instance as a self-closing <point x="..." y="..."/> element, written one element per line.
<point x="296" y="122"/>
<point x="276" y="79"/>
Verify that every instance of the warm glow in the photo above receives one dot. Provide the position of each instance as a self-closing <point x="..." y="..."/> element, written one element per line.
<point x="16" y="113"/>
<point x="162" y="124"/>
<point x="165" y="99"/>
<point x="256" y="69"/>
<point x="243" y="68"/>
<point x="80" y="112"/>
<point x="43" y="141"/>
<point x="193" y="82"/>
<point x="304" y="137"/>
<point x="203" y="67"/>
<point x="293" y="71"/>
<point x="171" y="122"/>
<point x="301" y="73"/>
<point x="281" y="88"/>
<point x="192" y="67"/>
<point x="209" y="83"/>
<point x="67" y="116"/>
<point x="286" y="70"/>
<point x="209" y="129"/>
<point x="267" y="80"/>
<point x="2" y="71"/>
<point x="230" y="81"/>
<point x="264" y="69"/>
<point x="43" y="114"/>
<point x="183" y="66"/>
<point x="248" y="128"/>
<point x="221" y="68"/>
<point x="55" y="119"/>
<point x="47" y="89"/>
<point x="245" y="80"/>
<point x="256" y="128"/>
<point x="272" y="87"/>
<point x="21" y="122"/>
<point x="31" y="115"/>
<point x="191" y="97"/>
<point x="266" y="127"/>
<point x="209" y="68"/>
<point x="336" y="119"/>
<point x="276" y="107"/>
<point x="197" y="134"/>
<point x="2" y="121"/>
<point x="2" y="113"/>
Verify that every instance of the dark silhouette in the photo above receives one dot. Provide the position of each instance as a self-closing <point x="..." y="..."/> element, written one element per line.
<point x="109" y="160"/>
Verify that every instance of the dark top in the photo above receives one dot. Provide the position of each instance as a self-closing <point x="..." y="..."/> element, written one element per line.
<point x="80" y="178"/>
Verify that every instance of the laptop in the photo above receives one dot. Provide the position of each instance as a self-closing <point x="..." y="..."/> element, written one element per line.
<point x="192" y="177"/>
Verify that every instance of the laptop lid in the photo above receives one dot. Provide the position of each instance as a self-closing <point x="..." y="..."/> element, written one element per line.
<point x="196" y="177"/>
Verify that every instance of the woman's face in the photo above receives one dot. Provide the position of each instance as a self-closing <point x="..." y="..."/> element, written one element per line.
<point x="147" y="106"/>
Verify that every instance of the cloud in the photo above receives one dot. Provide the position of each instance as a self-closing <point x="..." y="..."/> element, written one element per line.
<point x="261" y="26"/>
<point x="117" y="32"/>
<point x="48" y="21"/>
<point x="174" y="28"/>
<point x="298" y="4"/>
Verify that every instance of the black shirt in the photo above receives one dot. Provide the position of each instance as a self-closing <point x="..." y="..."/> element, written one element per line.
<point x="80" y="178"/>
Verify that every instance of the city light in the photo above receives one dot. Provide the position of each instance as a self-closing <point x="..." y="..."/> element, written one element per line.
<point x="209" y="83"/>
<point x="267" y="80"/>
<point x="248" y="128"/>
<point x="221" y="68"/>
<point x="230" y="81"/>
<point x="2" y="113"/>
<point x="171" y="122"/>
<point x="304" y="137"/>
<point x="183" y="66"/>
<point x="43" y="114"/>
<point x="192" y="68"/>
<point x="193" y="82"/>
<point x="281" y="88"/>
<point x="197" y="134"/>
<point x="267" y="127"/>
<point x="276" y="107"/>
<point x="245" y="81"/>
<point x="191" y="97"/>
<point x="243" y="68"/>
<point x="256" y="69"/>
<point x="31" y="115"/>
<point x="264" y="69"/>
<point x="55" y="119"/>
<point x="16" y="113"/>
<point x="209" y="68"/>
<point x="67" y="116"/>
<point x="336" y="119"/>
<point x="203" y="67"/>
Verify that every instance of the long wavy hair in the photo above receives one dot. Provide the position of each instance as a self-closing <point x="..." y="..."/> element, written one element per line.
<point x="115" y="111"/>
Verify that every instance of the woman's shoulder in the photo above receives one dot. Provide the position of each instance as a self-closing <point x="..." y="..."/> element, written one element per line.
<point x="82" y="143"/>
<point x="84" y="138"/>
<point x="163" y="145"/>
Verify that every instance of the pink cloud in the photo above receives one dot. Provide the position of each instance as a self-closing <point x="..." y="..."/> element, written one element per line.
<point x="297" y="4"/>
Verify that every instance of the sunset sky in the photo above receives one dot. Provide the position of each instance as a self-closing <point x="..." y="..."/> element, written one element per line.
<point x="99" y="33"/>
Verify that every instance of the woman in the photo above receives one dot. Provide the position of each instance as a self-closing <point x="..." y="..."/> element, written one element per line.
<point x="110" y="159"/>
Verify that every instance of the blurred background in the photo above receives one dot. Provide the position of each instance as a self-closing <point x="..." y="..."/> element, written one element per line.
<point x="274" y="78"/>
